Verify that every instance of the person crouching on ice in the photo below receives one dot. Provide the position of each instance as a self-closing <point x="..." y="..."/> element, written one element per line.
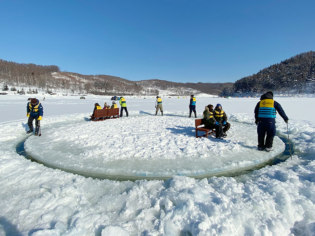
<point x="265" y="119"/>
<point x="221" y="119"/>
<point x="35" y="112"/>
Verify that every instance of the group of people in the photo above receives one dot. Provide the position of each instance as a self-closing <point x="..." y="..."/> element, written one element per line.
<point x="213" y="118"/>
<point x="192" y="105"/>
<point x="216" y="119"/>
<point x="122" y="102"/>
<point x="265" y="119"/>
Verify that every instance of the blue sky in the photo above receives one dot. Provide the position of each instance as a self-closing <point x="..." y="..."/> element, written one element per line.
<point x="175" y="40"/>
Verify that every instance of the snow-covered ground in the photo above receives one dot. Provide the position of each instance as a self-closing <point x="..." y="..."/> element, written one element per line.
<point x="38" y="200"/>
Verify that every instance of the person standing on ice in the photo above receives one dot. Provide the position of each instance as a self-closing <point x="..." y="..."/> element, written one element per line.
<point x="34" y="111"/>
<point x="265" y="119"/>
<point x="192" y="106"/>
<point x="158" y="105"/>
<point x="123" y="106"/>
<point x="221" y="119"/>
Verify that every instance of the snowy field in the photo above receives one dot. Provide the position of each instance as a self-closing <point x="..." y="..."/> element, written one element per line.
<point x="40" y="200"/>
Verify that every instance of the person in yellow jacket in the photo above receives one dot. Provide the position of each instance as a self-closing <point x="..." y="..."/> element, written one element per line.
<point x="35" y="111"/>
<point x="123" y="106"/>
<point x="96" y="107"/>
<point x="114" y="105"/>
<point x="158" y="105"/>
<point x="221" y="119"/>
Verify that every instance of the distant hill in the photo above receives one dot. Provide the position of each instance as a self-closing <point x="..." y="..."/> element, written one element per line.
<point x="31" y="77"/>
<point x="294" y="75"/>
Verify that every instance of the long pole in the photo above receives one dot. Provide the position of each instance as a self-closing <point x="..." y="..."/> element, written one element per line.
<point x="290" y="150"/>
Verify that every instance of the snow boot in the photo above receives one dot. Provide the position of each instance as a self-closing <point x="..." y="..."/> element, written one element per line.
<point x="30" y="131"/>
<point x="261" y="148"/>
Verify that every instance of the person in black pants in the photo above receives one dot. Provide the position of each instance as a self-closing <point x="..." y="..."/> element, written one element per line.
<point x="34" y="111"/>
<point x="265" y="119"/>
<point x="192" y="106"/>
<point x="221" y="119"/>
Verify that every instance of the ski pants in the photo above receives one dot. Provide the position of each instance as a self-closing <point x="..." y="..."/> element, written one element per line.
<point x="30" y="122"/>
<point x="218" y="130"/>
<point x="159" y="107"/>
<point x="226" y="127"/>
<point x="121" y="111"/>
<point x="266" y="129"/>
<point x="192" y="108"/>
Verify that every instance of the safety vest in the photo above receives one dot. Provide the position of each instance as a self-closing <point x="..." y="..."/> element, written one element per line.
<point x="211" y="115"/>
<point x="122" y="102"/>
<point x="159" y="100"/>
<point x="193" y="103"/>
<point x="33" y="109"/>
<point x="98" y="107"/>
<point x="218" y="114"/>
<point x="114" y="105"/>
<point x="208" y="115"/>
<point x="267" y="109"/>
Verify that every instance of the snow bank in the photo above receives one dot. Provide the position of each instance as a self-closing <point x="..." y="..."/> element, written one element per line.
<point x="275" y="200"/>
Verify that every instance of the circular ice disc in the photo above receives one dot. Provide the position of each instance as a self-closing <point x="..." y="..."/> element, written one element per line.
<point x="147" y="147"/>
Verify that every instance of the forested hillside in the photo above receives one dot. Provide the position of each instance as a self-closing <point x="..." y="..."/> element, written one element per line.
<point x="294" y="75"/>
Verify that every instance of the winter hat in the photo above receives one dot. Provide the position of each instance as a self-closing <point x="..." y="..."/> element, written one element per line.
<point x="210" y="106"/>
<point x="270" y="93"/>
<point x="218" y="105"/>
<point x="33" y="101"/>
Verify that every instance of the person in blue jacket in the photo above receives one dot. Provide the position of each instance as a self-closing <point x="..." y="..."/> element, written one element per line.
<point x="34" y="111"/>
<point x="265" y="119"/>
<point x="192" y="106"/>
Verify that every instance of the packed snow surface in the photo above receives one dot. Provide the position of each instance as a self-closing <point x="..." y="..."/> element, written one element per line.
<point x="38" y="200"/>
<point x="146" y="146"/>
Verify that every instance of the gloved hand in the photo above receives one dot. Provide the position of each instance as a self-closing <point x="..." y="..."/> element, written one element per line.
<point x="28" y="114"/>
<point x="39" y="118"/>
<point x="224" y="122"/>
<point x="217" y="123"/>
